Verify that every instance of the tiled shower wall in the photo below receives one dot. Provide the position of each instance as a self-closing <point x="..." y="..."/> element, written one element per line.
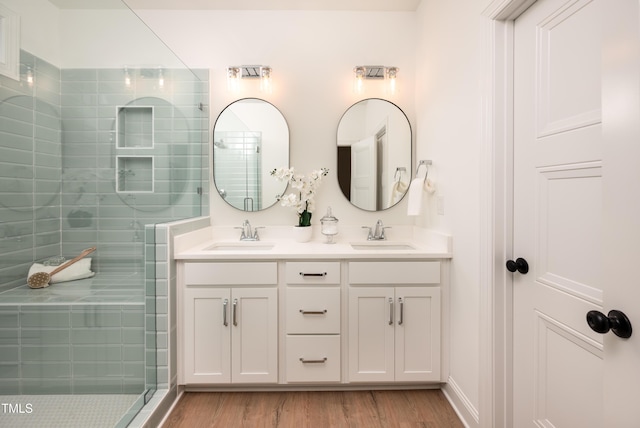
<point x="30" y="168"/>
<point x="58" y="163"/>
<point x="159" y="178"/>
<point x="72" y="349"/>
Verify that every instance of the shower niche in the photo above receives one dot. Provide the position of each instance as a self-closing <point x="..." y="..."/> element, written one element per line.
<point x="134" y="135"/>
<point x="134" y="174"/>
<point x="134" y="127"/>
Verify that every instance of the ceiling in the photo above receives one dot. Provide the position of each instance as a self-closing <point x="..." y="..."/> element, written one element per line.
<point x="359" y="5"/>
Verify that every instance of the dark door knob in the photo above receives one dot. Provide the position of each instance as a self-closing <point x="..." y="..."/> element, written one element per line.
<point x="519" y="265"/>
<point x="616" y="321"/>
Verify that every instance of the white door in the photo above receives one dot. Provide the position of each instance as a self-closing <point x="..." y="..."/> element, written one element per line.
<point x="621" y="205"/>
<point x="560" y="220"/>
<point x="207" y="351"/>
<point x="254" y="337"/>
<point x="364" y="158"/>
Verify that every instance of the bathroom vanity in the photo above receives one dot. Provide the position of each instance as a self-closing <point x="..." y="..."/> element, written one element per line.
<point x="311" y="315"/>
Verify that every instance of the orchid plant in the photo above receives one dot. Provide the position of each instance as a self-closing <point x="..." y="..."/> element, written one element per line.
<point x="305" y="188"/>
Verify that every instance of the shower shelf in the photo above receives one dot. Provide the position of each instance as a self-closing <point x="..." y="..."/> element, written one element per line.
<point x="134" y="127"/>
<point x="134" y="174"/>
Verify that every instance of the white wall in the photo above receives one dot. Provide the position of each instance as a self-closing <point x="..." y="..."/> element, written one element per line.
<point x="39" y="28"/>
<point x="312" y="54"/>
<point x="448" y="122"/>
<point x="110" y="38"/>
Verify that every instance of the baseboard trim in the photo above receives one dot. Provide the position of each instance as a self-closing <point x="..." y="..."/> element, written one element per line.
<point x="467" y="413"/>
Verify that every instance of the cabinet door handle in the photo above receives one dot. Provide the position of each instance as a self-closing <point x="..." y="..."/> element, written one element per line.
<point x="324" y="360"/>
<point x="401" y="320"/>
<point x="235" y="312"/>
<point x="390" y="311"/>
<point x="305" y="274"/>
<point x="225" y="303"/>
<point x="303" y="312"/>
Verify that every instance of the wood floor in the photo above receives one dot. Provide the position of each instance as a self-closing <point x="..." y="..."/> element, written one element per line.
<point x="368" y="409"/>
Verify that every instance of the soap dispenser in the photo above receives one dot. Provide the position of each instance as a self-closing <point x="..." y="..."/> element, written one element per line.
<point x="329" y="226"/>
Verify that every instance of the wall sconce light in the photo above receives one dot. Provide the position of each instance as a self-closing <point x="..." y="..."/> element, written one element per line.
<point x="375" y="72"/>
<point x="261" y="72"/>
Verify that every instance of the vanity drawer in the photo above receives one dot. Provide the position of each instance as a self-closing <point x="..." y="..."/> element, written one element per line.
<point x="313" y="310"/>
<point x="313" y="358"/>
<point x="313" y="273"/>
<point x="389" y="273"/>
<point x="241" y="273"/>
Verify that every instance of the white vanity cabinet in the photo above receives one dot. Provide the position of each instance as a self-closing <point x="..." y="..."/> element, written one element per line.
<point x="312" y="317"/>
<point x="394" y="321"/>
<point x="229" y="322"/>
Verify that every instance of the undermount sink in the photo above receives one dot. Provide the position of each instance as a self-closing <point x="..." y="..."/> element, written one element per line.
<point x="381" y="246"/>
<point x="240" y="246"/>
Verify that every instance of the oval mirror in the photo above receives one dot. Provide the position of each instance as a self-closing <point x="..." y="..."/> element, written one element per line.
<point x="250" y="139"/>
<point x="374" y="154"/>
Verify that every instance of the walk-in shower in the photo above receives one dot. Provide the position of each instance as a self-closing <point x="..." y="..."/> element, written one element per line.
<point x="102" y="137"/>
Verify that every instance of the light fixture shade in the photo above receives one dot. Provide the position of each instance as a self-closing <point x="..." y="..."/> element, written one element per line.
<point x="359" y="73"/>
<point x="127" y="78"/>
<point x="233" y="78"/>
<point x="265" y="79"/>
<point x="160" y="78"/>
<point x="392" y="79"/>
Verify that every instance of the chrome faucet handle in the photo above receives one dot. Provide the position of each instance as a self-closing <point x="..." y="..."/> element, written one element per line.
<point x="242" y="235"/>
<point x="256" y="237"/>
<point x="382" y="235"/>
<point x="370" y="234"/>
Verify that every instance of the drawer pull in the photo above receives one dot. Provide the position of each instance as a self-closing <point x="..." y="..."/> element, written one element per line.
<point x="303" y="312"/>
<point x="324" y="360"/>
<point x="304" y="274"/>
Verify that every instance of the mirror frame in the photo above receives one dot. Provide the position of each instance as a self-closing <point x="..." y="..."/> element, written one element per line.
<point x="344" y="178"/>
<point x="265" y="171"/>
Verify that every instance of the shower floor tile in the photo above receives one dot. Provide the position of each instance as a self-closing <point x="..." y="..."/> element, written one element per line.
<point x="68" y="411"/>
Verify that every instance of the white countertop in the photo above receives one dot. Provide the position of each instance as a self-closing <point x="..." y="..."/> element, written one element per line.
<point x="219" y="243"/>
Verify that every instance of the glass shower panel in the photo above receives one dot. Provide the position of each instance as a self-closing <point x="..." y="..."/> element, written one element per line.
<point x="96" y="148"/>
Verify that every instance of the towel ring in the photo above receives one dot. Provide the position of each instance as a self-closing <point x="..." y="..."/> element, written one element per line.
<point x="426" y="163"/>
<point x="398" y="173"/>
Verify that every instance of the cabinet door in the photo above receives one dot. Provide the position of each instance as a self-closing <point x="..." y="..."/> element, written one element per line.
<point x="254" y="343"/>
<point x="207" y="339"/>
<point x="371" y="324"/>
<point x="417" y="330"/>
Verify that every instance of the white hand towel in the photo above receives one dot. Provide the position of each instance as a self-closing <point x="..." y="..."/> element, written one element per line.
<point x="79" y="270"/>
<point x="429" y="186"/>
<point x="397" y="191"/>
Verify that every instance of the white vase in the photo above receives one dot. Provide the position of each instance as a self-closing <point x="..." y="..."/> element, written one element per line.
<point x="302" y="233"/>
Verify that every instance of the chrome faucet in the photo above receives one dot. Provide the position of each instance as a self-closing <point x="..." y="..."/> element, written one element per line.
<point x="377" y="232"/>
<point x="247" y="234"/>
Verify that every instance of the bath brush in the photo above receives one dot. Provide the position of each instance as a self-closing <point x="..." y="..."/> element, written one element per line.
<point x="41" y="279"/>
